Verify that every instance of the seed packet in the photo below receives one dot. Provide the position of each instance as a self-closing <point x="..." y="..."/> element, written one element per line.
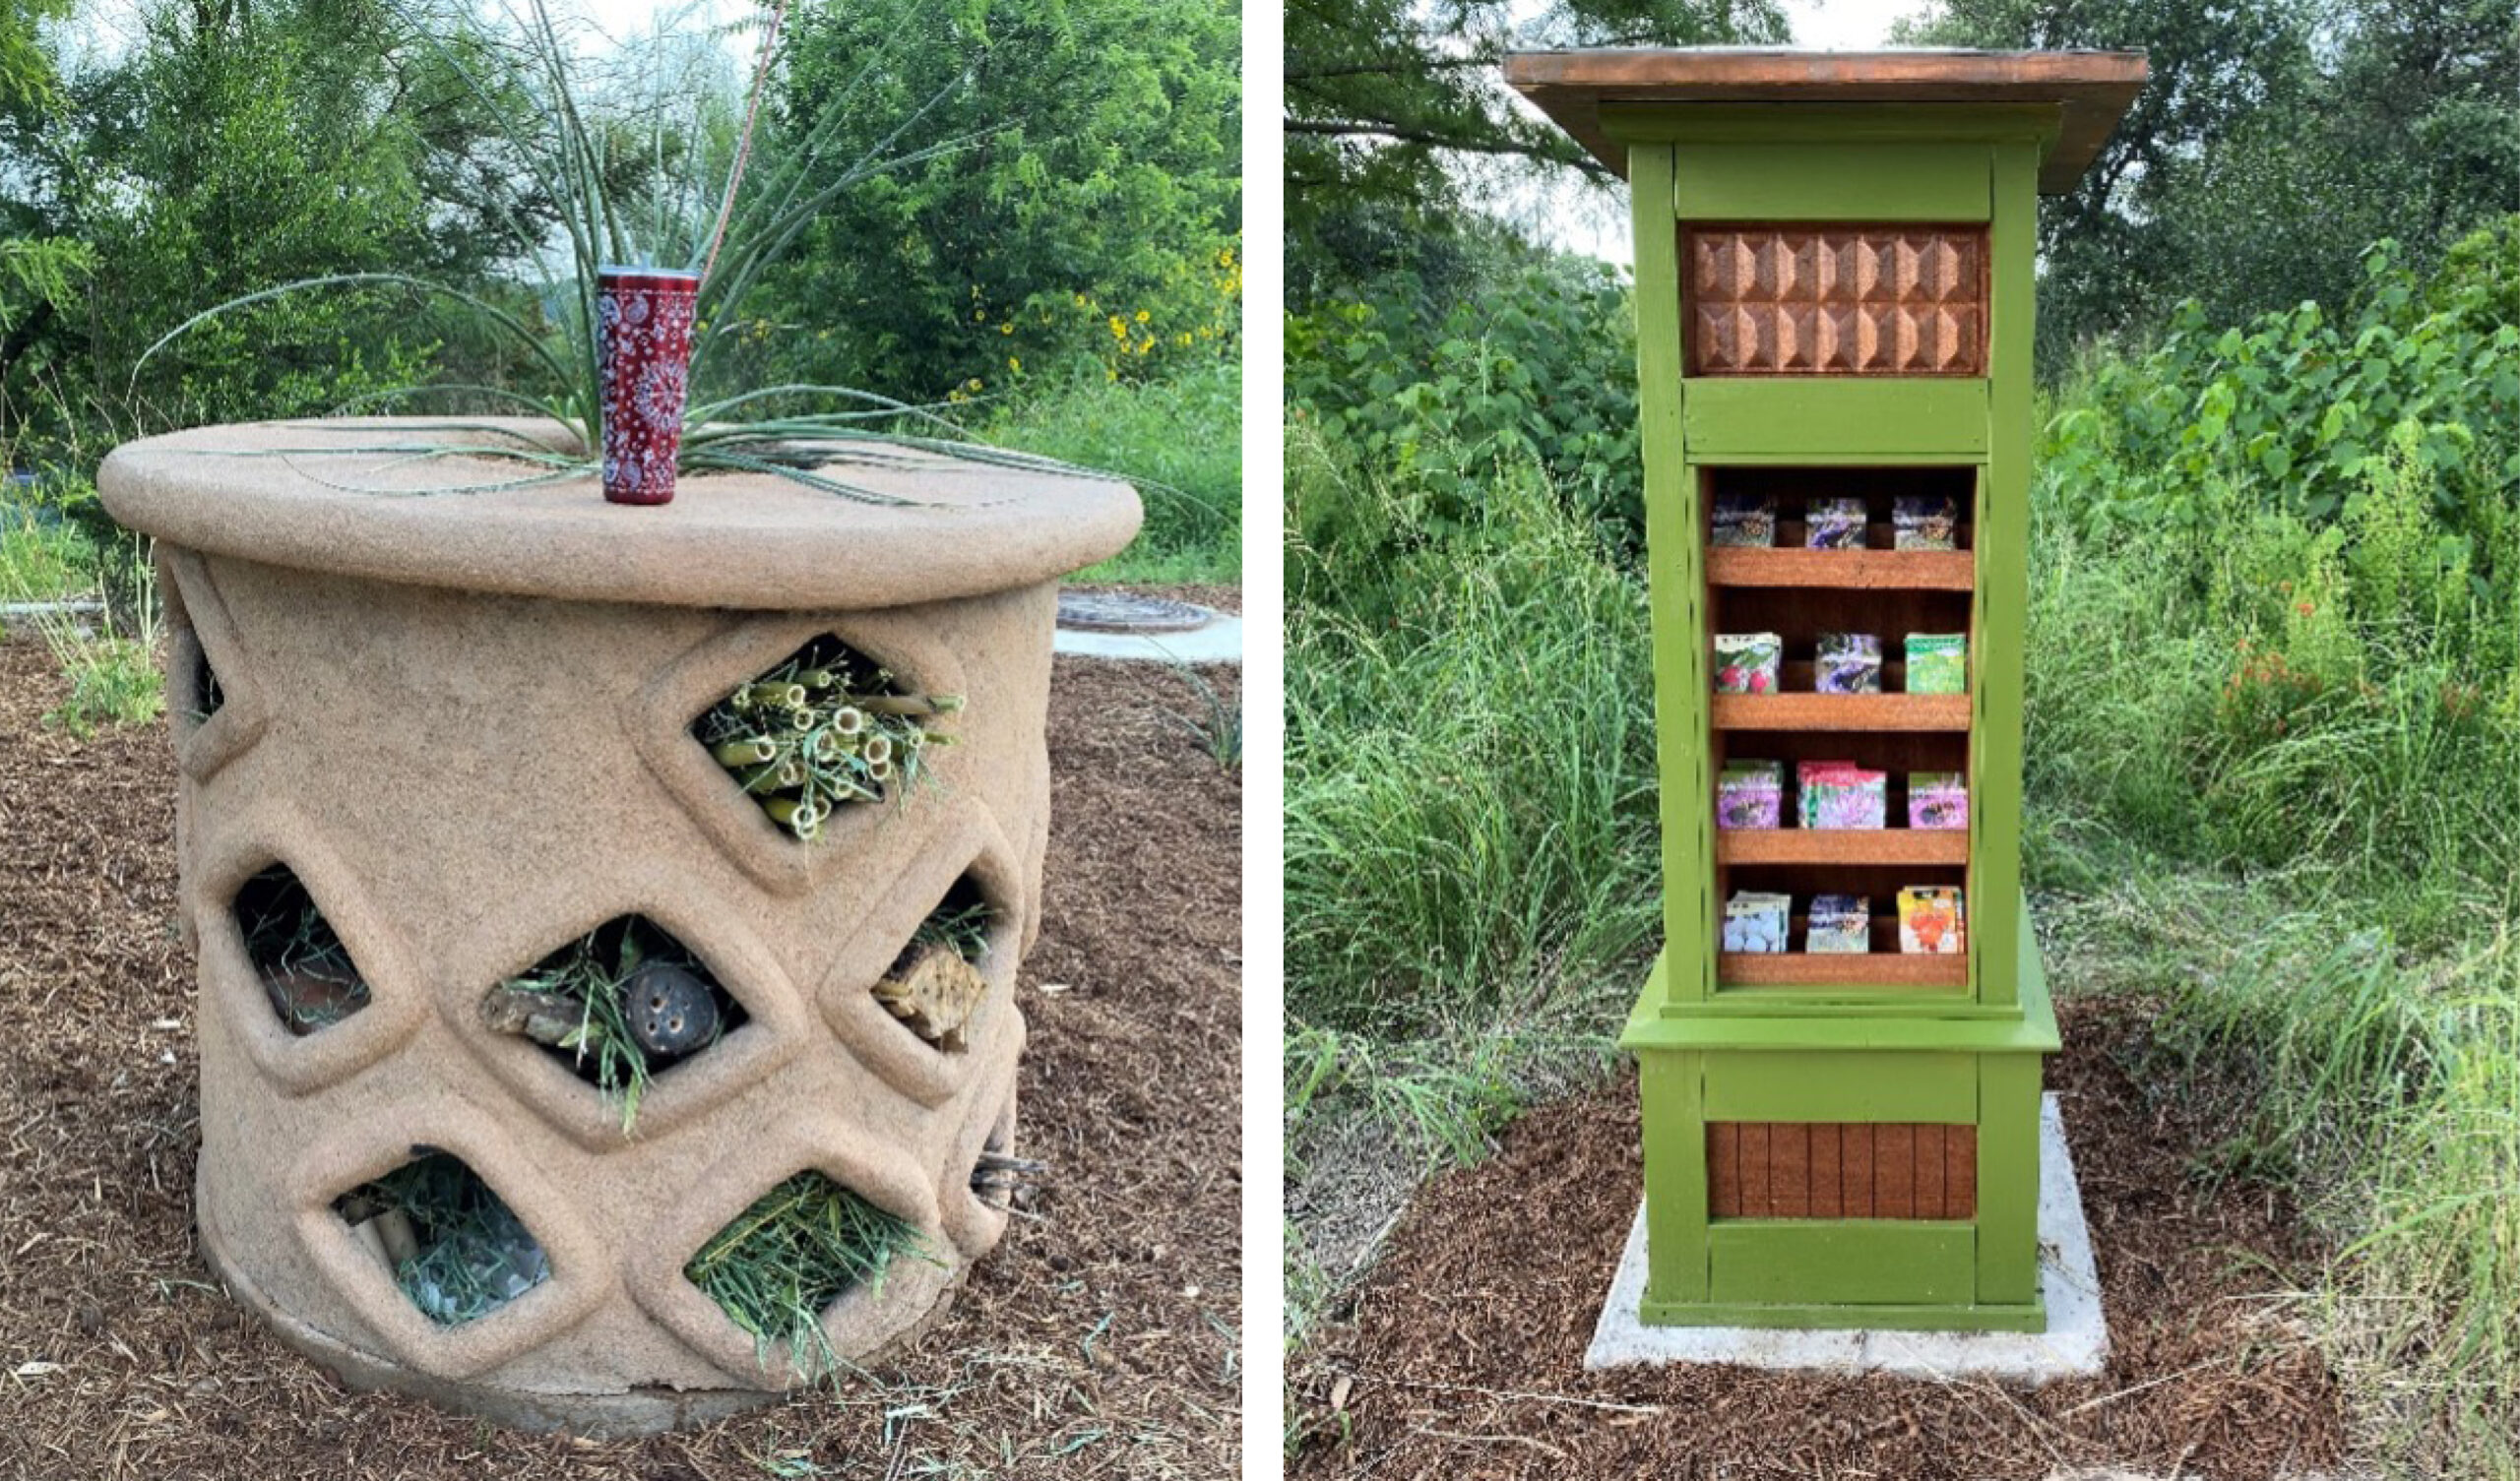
<point x="1748" y="662"/>
<point x="1840" y="924"/>
<point x="1849" y="663"/>
<point x="1750" y="794"/>
<point x="1755" y="922"/>
<point x="1744" y="520"/>
<point x="1938" y="663"/>
<point x="1925" y="522"/>
<point x="1929" y="921"/>
<point x="1937" y="799"/>
<point x="1836" y="794"/>
<point x="1806" y="776"/>
<point x="1835" y="525"/>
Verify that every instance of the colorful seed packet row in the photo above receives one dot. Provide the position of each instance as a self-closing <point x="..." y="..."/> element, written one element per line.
<point x="1925" y="522"/>
<point x="1750" y="794"/>
<point x="1757" y="922"/>
<point x="1761" y="922"/>
<point x="1931" y="921"/>
<point x="1840" y="925"/>
<point x="1938" y="663"/>
<point x="1937" y="800"/>
<point x="1836" y="522"/>
<point x="1848" y="663"/>
<point x="1749" y="663"/>
<point x="1839" y="794"/>
<point x="1843" y="663"/>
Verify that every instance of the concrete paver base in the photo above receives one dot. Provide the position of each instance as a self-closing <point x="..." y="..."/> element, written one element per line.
<point x="1220" y="641"/>
<point x="2075" y="1344"/>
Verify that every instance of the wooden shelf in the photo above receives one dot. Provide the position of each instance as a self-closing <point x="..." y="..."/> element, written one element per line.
<point x="1841" y="846"/>
<point x="1849" y="570"/>
<point x="1850" y="969"/>
<point x="1840" y="711"/>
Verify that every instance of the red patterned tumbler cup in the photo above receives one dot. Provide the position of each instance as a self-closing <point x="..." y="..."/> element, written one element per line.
<point x="644" y="336"/>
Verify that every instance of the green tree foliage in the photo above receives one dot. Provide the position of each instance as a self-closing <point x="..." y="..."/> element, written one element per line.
<point x="26" y="66"/>
<point x="231" y="147"/>
<point x="1090" y="217"/>
<point x="37" y="271"/>
<point x="1385" y="97"/>
<point x="2276" y="140"/>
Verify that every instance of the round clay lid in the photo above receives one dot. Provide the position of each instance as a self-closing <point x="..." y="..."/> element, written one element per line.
<point x="346" y="495"/>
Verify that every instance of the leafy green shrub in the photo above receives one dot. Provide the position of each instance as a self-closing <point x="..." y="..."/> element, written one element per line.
<point x="2291" y="411"/>
<point x="1537" y="366"/>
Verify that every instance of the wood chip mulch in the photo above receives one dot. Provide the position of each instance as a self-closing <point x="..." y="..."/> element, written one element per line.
<point x="1099" y="1340"/>
<point x="1461" y="1356"/>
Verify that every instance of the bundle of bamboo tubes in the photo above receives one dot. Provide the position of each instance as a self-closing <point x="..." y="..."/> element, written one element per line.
<point x="819" y="732"/>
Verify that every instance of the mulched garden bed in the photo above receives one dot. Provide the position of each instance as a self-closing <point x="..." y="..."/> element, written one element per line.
<point x="1462" y="1355"/>
<point x="1099" y="1340"/>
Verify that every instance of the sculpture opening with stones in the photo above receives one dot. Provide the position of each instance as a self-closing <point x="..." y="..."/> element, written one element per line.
<point x="619" y="1007"/>
<point x="779" y="1266"/>
<point x="824" y="730"/>
<point x="451" y="1242"/>
<point x="1000" y="1178"/>
<point x="935" y="985"/>
<point x="306" y="972"/>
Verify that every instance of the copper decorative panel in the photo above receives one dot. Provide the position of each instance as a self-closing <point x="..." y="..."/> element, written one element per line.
<point x="1847" y="300"/>
<point x="1857" y="1169"/>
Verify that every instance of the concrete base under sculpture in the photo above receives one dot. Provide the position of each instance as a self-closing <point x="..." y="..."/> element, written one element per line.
<point x="462" y="722"/>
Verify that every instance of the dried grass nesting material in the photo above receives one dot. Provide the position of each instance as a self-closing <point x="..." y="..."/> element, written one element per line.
<point x="780" y="1263"/>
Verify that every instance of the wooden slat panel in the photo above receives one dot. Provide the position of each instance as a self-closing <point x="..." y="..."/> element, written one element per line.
<point x="1842" y="570"/>
<point x="1894" y="1170"/>
<point x="1841" y="845"/>
<point x="1840" y="711"/>
<point x="1828" y="1191"/>
<point x="1841" y="1170"/>
<point x="1723" y="1164"/>
<point x="1960" y="1171"/>
<point x="1929" y="1174"/>
<point x="1789" y="1170"/>
<point x="1855" y="1177"/>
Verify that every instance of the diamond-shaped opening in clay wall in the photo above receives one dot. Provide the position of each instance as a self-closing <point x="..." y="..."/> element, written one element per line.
<point x="448" y="1240"/>
<point x="619" y="1007"/>
<point x="998" y="1172"/>
<point x="825" y="728"/>
<point x="196" y="693"/>
<point x="936" y="982"/>
<point x="306" y="972"/>
<point x="777" y="1267"/>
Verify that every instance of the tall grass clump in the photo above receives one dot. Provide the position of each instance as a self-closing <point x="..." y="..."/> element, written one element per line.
<point x="2274" y="717"/>
<point x="1177" y="439"/>
<point x="2384" y="1090"/>
<point x="2339" y="697"/>
<point x="1470" y="779"/>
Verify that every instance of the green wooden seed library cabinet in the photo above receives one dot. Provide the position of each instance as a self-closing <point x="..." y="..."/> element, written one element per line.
<point x="1834" y="281"/>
